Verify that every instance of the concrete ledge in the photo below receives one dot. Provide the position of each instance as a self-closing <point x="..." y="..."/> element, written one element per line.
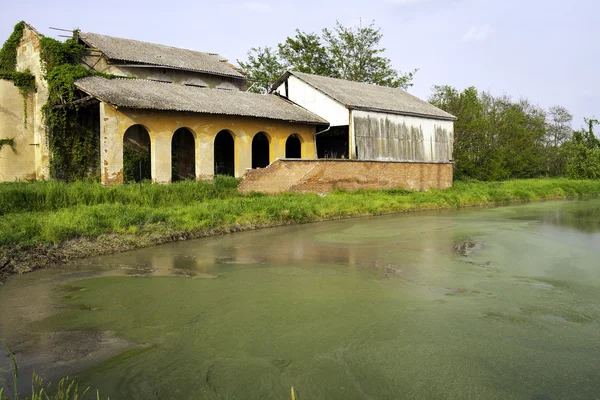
<point x="327" y="175"/>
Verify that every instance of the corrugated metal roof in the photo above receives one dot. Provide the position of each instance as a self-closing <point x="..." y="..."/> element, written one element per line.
<point x="151" y="95"/>
<point x="366" y="96"/>
<point x="157" y="54"/>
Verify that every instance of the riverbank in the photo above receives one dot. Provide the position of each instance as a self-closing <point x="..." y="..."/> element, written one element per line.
<point x="48" y="223"/>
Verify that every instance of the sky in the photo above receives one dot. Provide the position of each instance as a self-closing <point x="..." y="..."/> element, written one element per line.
<point x="546" y="51"/>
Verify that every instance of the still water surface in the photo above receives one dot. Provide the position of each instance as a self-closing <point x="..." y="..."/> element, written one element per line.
<point x="483" y="303"/>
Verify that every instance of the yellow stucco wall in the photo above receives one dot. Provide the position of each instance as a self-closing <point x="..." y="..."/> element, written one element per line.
<point x="28" y="58"/>
<point x="161" y="126"/>
<point x="19" y="164"/>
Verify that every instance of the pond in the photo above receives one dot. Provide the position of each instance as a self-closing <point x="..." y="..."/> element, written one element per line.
<point x="488" y="303"/>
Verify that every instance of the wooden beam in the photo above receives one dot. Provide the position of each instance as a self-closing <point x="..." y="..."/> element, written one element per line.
<point x="84" y="100"/>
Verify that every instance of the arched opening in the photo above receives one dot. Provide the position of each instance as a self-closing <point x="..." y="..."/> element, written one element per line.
<point x="224" y="154"/>
<point x="183" y="155"/>
<point x="293" y="147"/>
<point x="260" y="150"/>
<point x="136" y="154"/>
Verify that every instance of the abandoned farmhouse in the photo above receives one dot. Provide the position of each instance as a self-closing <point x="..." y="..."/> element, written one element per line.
<point x="183" y="114"/>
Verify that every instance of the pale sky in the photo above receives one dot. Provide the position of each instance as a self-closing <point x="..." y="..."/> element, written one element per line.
<point x="546" y="51"/>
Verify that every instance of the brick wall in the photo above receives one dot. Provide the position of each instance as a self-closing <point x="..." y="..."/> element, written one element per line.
<point x="324" y="176"/>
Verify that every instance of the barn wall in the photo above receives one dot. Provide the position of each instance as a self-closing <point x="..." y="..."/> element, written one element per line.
<point x="382" y="136"/>
<point x="313" y="100"/>
<point x="18" y="164"/>
<point x="325" y="176"/>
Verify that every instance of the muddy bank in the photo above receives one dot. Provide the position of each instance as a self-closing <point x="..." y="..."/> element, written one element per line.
<point x="20" y="259"/>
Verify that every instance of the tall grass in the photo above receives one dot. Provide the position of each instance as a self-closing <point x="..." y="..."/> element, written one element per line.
<point x="55" y="195"/>
<point x="170" y="210"/>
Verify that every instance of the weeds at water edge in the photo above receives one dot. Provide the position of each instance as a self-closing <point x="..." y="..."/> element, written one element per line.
<point x="67" y="389"/>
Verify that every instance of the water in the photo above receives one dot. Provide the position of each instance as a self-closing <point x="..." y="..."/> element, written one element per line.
<point x="483" y="303"/>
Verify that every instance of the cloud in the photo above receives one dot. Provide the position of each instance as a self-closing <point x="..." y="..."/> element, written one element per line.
<point x="257" y="7"/>
<point x="477" y="33"/>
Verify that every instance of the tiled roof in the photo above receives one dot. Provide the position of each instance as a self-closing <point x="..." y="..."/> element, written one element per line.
<point x="152" y="95"/>
<point x="366" y="96"/>
<point x="157" y="54"/>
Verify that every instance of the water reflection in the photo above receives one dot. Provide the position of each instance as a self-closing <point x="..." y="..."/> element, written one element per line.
<point x="489" y="303"/>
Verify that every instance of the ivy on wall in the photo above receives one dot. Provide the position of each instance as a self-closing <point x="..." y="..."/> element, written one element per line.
<point x="25" y="81"/>
<point x="73" y="131"/>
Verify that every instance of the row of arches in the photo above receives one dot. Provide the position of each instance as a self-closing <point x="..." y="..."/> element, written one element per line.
<point x="137" y="153"/>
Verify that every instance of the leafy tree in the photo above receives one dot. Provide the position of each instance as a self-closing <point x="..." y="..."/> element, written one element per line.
<point x="343" y="52"/>
<point x="262" y="68"/>
<point x="495" y="138"/>
<point x="583" y="153"/>
<point x="305" y="53"/>
<point x="558" y="132"/>
<point x="355" y="56"/>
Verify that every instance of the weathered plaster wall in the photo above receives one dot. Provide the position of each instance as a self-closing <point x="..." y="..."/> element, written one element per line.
<point x="28" y="58"/>
<point x="313" y="100"/>
<point x="20" y="164"/>
<point x="382" y="136"/>
<point x="101" y="64"/>
<point x="162" y="125"/>
<point x="324" y="176"/>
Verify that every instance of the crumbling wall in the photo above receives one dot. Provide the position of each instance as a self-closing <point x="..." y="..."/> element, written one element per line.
<point x="324" y="176"/>
<point x="390" y="137"/>
<point x="17" y="164"/>
<point x="28" y="58"/>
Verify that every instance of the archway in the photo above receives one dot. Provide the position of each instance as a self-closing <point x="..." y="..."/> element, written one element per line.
<point x="224" y="154"/>
<point x="293" y="147"/>
<point x="183" y="155"/>
<point x="136" y="154"/>
<point x="260" y="150"/>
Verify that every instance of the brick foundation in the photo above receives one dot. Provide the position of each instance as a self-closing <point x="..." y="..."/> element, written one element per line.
<point x="324" y="176"/>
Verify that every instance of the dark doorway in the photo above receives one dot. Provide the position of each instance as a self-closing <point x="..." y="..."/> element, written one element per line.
<point x="293" y="147"/>
<point x="136" y="154"/>
<point x="260" y="151"/>
<point x="224" y="154"/>
<point x="183" y="155"/>
<point x="333" y="143"/>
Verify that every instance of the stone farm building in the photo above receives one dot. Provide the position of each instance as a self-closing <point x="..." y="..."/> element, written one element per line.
<point x="190" y="113"/>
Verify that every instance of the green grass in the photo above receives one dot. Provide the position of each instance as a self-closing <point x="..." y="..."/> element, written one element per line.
<point x="54" y="195"/>
<point x="51" y="212"/>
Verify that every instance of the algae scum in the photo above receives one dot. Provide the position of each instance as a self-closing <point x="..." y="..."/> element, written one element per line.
<point x="484" y="303"/>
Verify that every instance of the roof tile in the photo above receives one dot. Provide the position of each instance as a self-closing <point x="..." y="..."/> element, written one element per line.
<point x="152" y="95"/>
<point x="157" y="54"/>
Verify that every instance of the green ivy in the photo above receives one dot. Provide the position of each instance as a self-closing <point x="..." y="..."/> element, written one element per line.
<point x="73" y="143"/>
<point x="8" y="53"/>
<point x="25" y="81"/>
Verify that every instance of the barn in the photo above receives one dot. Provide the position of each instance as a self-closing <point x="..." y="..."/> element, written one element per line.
<point x="370" y="122"/>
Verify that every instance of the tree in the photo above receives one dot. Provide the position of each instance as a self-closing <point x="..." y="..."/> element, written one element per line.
<point x="355" y="56"/>
<point x="583" y="153"/>
<point x="262" y="68"/>
<point x="495" y="137"/>
<point x="558" y="132"/>
<point x="305" y="53"/>
<point x="559" y="126"/>
<point x="344" y="52"/>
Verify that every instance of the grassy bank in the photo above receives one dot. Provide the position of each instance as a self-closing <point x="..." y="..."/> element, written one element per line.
<point x="52" y="214"/>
